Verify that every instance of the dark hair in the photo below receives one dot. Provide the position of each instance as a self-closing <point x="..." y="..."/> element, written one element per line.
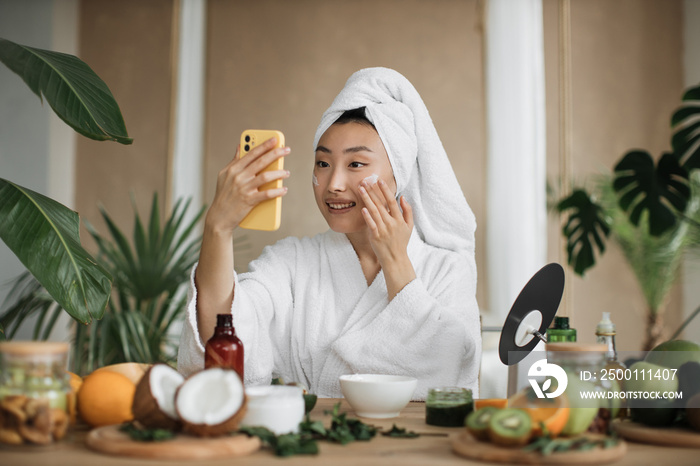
<point x="356" y="115"/>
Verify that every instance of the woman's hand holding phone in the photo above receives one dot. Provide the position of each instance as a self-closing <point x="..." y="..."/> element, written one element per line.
<point x="236" y="195"/>
<point x="238" y="182"/>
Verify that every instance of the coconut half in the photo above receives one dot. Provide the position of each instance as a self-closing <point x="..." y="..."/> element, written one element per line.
<point x="154" y="399"/>
<point x="211" y="402"/>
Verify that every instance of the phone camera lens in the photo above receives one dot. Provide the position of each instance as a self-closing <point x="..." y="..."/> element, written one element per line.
<point x="247" y="147"/>
<point x="247" y="139"/>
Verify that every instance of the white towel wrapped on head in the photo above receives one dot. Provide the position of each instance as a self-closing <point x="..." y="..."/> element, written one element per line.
<point x="421" y="168"/>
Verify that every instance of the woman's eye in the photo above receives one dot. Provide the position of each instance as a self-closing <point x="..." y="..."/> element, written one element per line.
<point x="357" y="165"/>
<point x="322" y="164"/>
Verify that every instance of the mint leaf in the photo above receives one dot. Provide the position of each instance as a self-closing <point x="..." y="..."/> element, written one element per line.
<point x="146" y="435"/>
<point x="398" y="432"/>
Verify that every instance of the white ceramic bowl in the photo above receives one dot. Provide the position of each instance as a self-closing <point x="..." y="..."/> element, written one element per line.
<point x="280" y="408"/>
<point x="377" y="396"/>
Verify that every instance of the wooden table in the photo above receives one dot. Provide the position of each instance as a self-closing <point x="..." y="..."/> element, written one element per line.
<point x="423" y="451"/>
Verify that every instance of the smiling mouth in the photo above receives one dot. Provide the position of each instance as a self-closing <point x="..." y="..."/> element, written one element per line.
<point x="337" y="206"/>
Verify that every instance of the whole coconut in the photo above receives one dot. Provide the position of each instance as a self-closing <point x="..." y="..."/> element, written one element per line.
<point x="211" y="402"/>
<point x="154" y="400"/>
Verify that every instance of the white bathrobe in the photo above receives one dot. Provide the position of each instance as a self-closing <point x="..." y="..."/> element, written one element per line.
<point x="305" y="313"/>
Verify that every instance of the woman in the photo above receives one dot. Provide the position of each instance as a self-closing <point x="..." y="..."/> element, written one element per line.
<point x="375" y="293"/>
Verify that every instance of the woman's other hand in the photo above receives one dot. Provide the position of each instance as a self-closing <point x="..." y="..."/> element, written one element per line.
<point x="390" y="230"/>
<point x="238" y="182"/>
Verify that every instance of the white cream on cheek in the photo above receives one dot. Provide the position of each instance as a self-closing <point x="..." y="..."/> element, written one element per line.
<point x="371" y="179"/>
<point x="314" y="180"/>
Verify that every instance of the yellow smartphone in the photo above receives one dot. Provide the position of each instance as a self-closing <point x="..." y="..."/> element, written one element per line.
<point x="267" y="215"/>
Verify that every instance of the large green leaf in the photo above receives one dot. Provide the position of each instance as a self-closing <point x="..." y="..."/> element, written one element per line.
<point x="77" y="95"/>
<point x="686" y="138"/>
<point x="45" y="236"/>
<point x="661" y="190"/>
<point x="586" y="226"/>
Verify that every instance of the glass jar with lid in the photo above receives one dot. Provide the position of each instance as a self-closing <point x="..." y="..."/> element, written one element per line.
<point x="34" y="387"/>
<point x="448" y="406"/>
<point x="589" y="389"/>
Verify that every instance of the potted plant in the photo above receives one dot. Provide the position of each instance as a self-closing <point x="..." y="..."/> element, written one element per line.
<point x="41" y="232"/>
<point x="651" y="208"/>
<point x="148" y="274"/>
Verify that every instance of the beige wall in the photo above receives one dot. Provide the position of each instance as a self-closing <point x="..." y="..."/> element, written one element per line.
<point x="127" y="43"/>
<point x="278" y="64"/>
<point x="627" y="69"/>
<point x="283" y="70"/>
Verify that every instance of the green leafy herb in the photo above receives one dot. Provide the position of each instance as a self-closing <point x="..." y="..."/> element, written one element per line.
<point x="263" y="433"/>
<point x="286" y="444"/>
<point x="345" y="430"/>
<point x="295" y="444"/>
<point x="398" y="432"/>
<point x="342" y="430"/>
<point x="546" y="445"/>
<point x="313" y="428"/>
<point x="146" y="435"/>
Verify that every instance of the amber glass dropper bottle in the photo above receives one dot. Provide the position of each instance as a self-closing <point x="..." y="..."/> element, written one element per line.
<point x="224" y="348"/>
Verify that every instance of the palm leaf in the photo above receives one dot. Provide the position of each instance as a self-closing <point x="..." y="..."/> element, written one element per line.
<point x="654" y="259"/>
<point x="586" y="226"/>
<point x="77" y="95"/>
<point x="660" y="190"/>
<point x="154" y="227"/>
<point x="23" y="300"/>
<point x="45" y="236"/>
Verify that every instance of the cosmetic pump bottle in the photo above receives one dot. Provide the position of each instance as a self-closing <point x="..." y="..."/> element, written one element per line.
<point x="224" y="348"/>
<point x="605" y="333"/>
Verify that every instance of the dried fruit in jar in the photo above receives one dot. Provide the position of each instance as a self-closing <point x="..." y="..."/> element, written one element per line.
<point x="29" y="420"/>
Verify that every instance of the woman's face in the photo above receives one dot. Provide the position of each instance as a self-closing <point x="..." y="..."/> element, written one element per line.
<point x="347" y="154"/>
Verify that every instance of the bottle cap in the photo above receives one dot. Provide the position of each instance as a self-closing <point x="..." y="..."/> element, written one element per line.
<point x="561" y="323"/>
<point x="224" y="320"/>
<point x="605" y="325"/>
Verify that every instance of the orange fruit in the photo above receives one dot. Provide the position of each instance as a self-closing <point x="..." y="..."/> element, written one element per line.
<point x="499" y="403"/>
<point x="72" y="397"/>
<point x="552" y="412"/>
<point x="105" y="398"/>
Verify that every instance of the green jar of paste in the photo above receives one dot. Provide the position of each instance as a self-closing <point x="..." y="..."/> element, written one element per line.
<point x="448" y="406"/>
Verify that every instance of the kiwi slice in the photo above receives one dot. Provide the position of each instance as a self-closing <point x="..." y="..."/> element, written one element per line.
<point x="510" y="427"/>
<point x="478" y="422"/>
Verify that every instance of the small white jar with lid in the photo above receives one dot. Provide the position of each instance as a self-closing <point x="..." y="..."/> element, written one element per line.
<point x="280" y="408"/>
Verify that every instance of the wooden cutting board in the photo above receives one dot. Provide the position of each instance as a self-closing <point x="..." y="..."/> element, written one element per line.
<point x="466" y="445"/>
<point x="110" y="440"/>
<point x="668" y="436"/>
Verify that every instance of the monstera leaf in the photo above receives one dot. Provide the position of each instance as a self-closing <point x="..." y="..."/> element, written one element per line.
<point x="45" y="236"/>
<point x="661" y="190"/>
<point x="585" y="227"/>
<point x="686" y="139"/>
<point x="77" y="95"/>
